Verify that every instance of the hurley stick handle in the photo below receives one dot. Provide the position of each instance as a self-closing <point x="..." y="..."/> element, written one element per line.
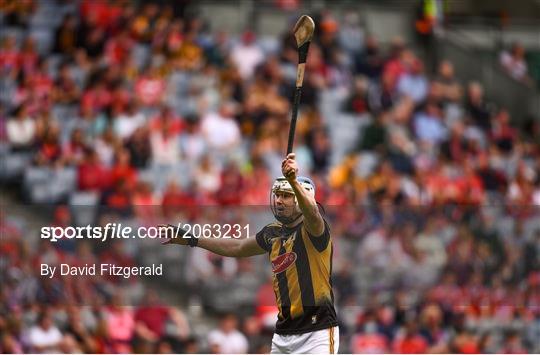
<point x="292" y="128"/>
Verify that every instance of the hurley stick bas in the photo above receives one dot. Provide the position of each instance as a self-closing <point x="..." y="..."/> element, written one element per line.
<point x="303" y="32"/>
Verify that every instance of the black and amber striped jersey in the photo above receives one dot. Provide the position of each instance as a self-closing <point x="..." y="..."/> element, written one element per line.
<point x="301" y="276"/>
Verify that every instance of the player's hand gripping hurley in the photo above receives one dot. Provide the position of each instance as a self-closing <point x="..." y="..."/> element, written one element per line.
<point x="303" y="32"/>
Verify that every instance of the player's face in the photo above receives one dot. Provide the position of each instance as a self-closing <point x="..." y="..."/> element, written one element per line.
<point x="285" y="204"/>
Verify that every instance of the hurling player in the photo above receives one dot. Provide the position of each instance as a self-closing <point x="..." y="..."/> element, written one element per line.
<point x="299" y="248"/>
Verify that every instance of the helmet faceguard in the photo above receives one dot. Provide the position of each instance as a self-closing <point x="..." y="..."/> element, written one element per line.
<point x="288" y="214"/>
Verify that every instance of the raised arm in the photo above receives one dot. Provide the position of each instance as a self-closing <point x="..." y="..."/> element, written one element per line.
<point x="238" y="248"/>
<point x="313" y="220"/>
<point x="233" y="247"/>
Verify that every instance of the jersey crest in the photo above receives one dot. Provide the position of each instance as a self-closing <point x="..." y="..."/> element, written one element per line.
<point x="283" y="262"/>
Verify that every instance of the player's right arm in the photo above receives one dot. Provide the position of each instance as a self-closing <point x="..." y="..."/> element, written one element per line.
<point x="237" y="248"/>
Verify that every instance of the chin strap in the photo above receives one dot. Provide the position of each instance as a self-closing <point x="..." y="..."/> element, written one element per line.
<point x="287" y="220"/>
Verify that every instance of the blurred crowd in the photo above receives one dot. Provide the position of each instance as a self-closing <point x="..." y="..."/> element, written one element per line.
<point x="433" y="203"/>
<point x="513" y="62"/>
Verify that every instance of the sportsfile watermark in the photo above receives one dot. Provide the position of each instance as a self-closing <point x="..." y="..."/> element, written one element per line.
<point x="122" y="231"/>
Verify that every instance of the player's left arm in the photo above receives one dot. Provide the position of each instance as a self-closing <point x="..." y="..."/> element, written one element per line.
<point x="313" y="220"/>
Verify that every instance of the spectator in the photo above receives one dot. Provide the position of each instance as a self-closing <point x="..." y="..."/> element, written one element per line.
<point x="400" y="61"/>
<point x="176" y="200"/>
<point x="502" y="133"/>
<point x="446" y="84"/>
<point x="381" y="97"/>
<point x="493" y="180"/>
<point x="352" y="35"/>
<point x="167" y="117"/>
<point x="456" y="147"/>
<point x="532" y="255"/>
<point x="119" y="199"/>
<point x="369" y="340"/>
<point x="477" y="107"/>
<point x="120" y="325"/>
<point x="66" y="37"/>
<point x="122" y="170"/>
<point x="150" y="88"/>
<point x="9" y="55"/>
<point x="220" y="129"/>
<point x="50" y="149"/>
<point x="65" y="89"/>
<point x="247" y="55"/>
<point x="21" y="130"/>
<point x="120" y="95"/>
<point x="89" y="122"/>
<point x="78" y="331"/>
<point x="175" y="37"/>
<point x="144" y="22"/>
<point x="227" y="339"/>
<point x="144" y="203"/>
<point x="19" y="14"/>
<point x="165" y="146"/>
<point x="92" y="174"/>
<point x="192" y="142"/>
<point x="432" y="247"/>
<point x="191" y="346"/>
<point x="374" y="135"/>
<point x="255" y="192"/>
<point x="513" y="62"/>
<point x="251" y="328"/>
<point x="429" y="126"/>
<point x="208" y="270"/>
<point x="264" y="99"/>
<point x="106" y="145"/>
<point x="464" y="342"/>
<point x="125" y="123"/>
<point x="374" y="249"/>
<point x="343" y="283"/>
<point x="117" y="48"/>
<point x="45" y="337"/>
<point x="370" y="63"/>
<point x="81" y="67"/>
<point x="328" y="35"/>
<point x="231" y="182"/>
<point x="10" y="344"/>
<point x="96" y="96"/>
<point x="28" y="57"/>
<point x="431" y="319"/>
<point x="413" y="83"/>
<point x="409" y="341"/>
<point x="70" y="346"/>
<point x="151" y="319"/>
<point x="320" y="148"/>
<point x="74" y="150"/>
<point x="189" y="55"/>
<point x="139" y="148"/>
<point x="520" y="190"/>
<point x="513" y="345"/>
<point x="400" y="151"/>
<point x="356" y="103"/>
<point x="207" y="176"/>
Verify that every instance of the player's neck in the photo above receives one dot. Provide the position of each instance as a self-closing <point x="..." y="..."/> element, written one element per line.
<point x="294" y="223"/>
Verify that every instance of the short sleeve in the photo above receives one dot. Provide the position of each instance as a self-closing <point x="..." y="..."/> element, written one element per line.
<point x="263" y="239"/>
<point x="320" y="242"/>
